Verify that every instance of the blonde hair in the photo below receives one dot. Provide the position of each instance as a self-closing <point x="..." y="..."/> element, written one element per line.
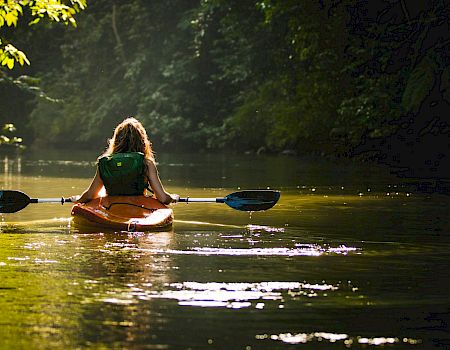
<point x="130" y="136"/>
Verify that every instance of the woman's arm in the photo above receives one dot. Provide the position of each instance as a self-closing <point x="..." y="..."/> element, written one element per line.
<point x="92" y="191"/>
<point x="155" y="183"/>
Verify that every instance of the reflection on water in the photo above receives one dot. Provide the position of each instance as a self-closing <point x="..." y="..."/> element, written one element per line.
<point x="236" y="295"/>
<point x="348" y="341"/>
<point x="304" y="250"/>
<point x="347" y="259"/>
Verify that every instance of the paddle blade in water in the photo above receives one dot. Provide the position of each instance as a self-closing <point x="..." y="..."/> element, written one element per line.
<point x="12" y="201"/>
<point x="252" y="200"/>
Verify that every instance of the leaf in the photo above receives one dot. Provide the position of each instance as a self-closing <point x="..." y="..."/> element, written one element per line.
<point x="419" y="85"/>
<point x="11" y="18"/>
<point x="5" y="59"/>
<point x="36" y="20"/>
<point x="4" y="139"/>
<point x="22" y="58"/>
<point x="10" y="63"/>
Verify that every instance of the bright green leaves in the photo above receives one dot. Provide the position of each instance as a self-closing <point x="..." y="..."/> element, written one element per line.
<point x="9" y="55"/>
<point x="9" y="127"/>
<point x="6" y="137"/>
<point x="12" y="10"/>
<point x="9" y="12"/>
<point x="55" y="10"/>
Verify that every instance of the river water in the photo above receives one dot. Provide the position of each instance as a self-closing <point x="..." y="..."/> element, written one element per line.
<point x="350" y="257"/>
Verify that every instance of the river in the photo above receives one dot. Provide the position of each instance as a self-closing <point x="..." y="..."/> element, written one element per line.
<point x="350" y="257"/>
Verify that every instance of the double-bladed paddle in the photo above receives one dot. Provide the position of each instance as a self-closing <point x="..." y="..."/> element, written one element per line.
<point x="247" y="200"/>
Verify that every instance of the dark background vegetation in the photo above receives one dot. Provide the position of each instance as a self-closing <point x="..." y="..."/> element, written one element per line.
<point x="343" y="79"/>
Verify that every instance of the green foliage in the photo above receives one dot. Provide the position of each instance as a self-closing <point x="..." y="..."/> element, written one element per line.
<point x="296" y="106"/>
<point x="12" y="10"/>
<point x="7" y="139"/>
<point x="419" y="84"/>
<point x="23" y="86"/>
<point x="311" y="76"/>
<point x="9" y="55"/>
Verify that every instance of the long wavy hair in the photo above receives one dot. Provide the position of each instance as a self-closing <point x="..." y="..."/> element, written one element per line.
<point x="130" y="136"/>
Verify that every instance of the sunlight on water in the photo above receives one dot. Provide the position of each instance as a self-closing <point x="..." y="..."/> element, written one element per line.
<point x="348" y="341"/>
<point x="252" y="228"/>
<point x="204" y="223"/>
<point x="222" y="294"/>
<point x="344" y="260"/>
<point x="301" y="250"/>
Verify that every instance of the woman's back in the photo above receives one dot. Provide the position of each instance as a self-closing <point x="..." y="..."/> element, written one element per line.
<point x="123" y="173"/>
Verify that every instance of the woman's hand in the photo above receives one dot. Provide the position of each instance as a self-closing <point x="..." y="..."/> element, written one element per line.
<point x="74" y="199"/>
<point x="175" y="197"/>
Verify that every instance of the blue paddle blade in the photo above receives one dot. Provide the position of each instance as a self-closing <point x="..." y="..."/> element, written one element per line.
<point x="252" y="200"/>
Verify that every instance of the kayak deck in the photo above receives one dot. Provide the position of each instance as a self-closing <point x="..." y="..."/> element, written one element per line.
<point x="125" y="213"/>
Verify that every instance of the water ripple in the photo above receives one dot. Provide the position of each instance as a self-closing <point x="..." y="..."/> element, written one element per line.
<point x="221" y="294"/>
<point x="302" y="338"/>
<point x="300" y="250"/>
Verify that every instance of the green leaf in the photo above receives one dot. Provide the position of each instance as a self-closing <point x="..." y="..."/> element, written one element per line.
<point x="10" y="63"/>
<point x="36" y="20"/>
<point x="11" y="18"/>
<point x="419" y="85"/>
<point x="9" y="127"/>
<point x="4" y="139"/>
<point x="22" y="58"/>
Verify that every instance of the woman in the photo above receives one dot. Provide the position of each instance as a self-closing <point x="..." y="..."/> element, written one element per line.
<point x="127" y="167"/>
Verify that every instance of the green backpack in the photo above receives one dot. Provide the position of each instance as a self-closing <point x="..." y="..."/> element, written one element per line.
<point x="123" y="174"/>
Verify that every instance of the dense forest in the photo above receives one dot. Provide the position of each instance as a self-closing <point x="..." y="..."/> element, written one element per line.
<point x="332" y="78"/>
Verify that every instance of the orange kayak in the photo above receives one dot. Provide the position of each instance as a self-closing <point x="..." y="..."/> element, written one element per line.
<point x="125" y="213"/>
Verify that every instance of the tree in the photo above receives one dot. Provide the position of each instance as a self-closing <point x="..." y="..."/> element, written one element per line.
<point x="12" y="14"/>
<point x="35" y="10"/>
<point x="399" y="56"/>
<point x="294" y="103"/>
<point x="332" y="77"/>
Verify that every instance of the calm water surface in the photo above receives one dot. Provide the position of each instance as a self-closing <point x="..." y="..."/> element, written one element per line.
<point x="351" y="257"/>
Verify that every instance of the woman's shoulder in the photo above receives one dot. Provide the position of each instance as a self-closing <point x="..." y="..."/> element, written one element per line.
<point x="150" y="163"/>
<point x="151" y="166"/>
